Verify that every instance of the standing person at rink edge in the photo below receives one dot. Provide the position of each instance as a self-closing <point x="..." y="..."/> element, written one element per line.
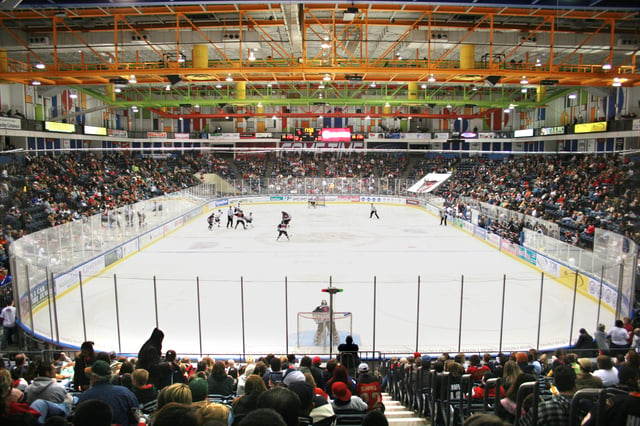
<point x="282" y="230"/>
<point x="443" y="216"/>
<point x="374" y="211"/>
<point x="323" y="322"/>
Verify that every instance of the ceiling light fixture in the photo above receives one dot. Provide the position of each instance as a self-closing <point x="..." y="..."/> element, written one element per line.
<point x="35" y="83"/>
<point x="252" y="56"/>
<point x="167" y="87"/>
<point x="269" y="85"/>
<point x="524" y="80"/>
<point x="387" y="104"/>
<point x="229" y="78"/>
<point x="117" y="90"/>
<point x="132" y="79"/>
<point x="327" y="77"/>
<point x="507" y="111"/>
<point x="573" y="96"/>
<point x="274" y="117"/>
<point x="523" y="90"/>
<point x="259" y="105"/>
<point x="73" y="96"/>
<point x="431" y="79"/>
<point x="538" y="62"/>
<point x="321" y="86"/>
<point x="367" y="118"/>
<point x="606" y="66"/>
<point x="325" y="44"/>
<point x="373" y="85"/>
<point x="218" y="86"/>
<point x="448" y="105"/>
<point x="40" y="66"/>
<point x="512" y="106"/>
<point x="616" y="82"/>
<point x="424" y="86"/>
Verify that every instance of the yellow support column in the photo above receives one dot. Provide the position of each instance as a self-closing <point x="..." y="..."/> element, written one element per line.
<point x="110" y="93"/>
<point x="541" y="91"/>
<point x="467" y="56"/>
<point x="413" y="91"/>
<point x="200" y="56"/>
<point x="4" y="61"/>
<point x="241" y="90"/>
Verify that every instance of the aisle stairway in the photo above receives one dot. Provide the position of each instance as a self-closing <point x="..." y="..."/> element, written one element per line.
<point x="398" y="415"/>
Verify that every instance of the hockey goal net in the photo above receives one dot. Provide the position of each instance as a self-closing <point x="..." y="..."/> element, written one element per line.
<point x="314" y="328"/>
<point x="316" y="202"/>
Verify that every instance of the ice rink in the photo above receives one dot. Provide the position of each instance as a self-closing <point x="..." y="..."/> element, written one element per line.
<point x="212" y="285"/>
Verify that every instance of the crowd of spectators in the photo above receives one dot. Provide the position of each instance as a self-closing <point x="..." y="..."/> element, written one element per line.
<point x="93" y="388"/>
<point x="97" y="388"/>
<point x="580" y="193"/>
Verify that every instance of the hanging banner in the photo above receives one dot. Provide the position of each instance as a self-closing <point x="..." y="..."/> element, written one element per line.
<point x="429" y="182"/>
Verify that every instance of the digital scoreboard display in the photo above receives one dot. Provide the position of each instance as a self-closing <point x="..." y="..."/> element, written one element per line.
<point x="308" y="134"/>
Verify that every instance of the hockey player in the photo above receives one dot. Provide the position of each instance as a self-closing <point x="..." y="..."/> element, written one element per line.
<point x="282" y="230"/>
<point x="249" y="219"/>
<point x="373" y="212"/>
<point x="210" y="220"/>
<point x="324" y="323"/>
<point x="217" y="219"/>
<point x="286" y="218"/>
<point x="240" y="219"/>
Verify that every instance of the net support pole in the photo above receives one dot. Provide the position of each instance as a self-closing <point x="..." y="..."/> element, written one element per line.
<point x="600" y="297"/>
<point x="84" y="319"/>
<point x="418" y="315"/>
<point x="155" y="299"/>
<point x="460" y="319"/>
<point x="199" y="313"/>
<point x="56" y="323"/>
<point x="573" y="305"/>
<point x="26" y="270"/>
<point x="504" y="289"/>
<point x="375" y="301"/>
<point x="286" y="315"/>
<point x="330" y="319"/>
<point x="115" y="294"/>
<point x="50" y="304"/>
<point x="619" y="313"/>
<point x="540" y="310"/>
<point x="244" y="339"/>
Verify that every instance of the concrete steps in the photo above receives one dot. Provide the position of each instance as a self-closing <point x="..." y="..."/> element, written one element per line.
<point x="398" y="415"/>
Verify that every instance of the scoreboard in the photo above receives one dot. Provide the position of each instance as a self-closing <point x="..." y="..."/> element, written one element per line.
<point x="308" y="134"/>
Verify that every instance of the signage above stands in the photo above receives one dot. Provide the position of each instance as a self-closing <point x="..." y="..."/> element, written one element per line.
<point x="308" y="134"/>
<point x="441" y="135"/>
<point x="336" y="135"/>
<point x="287" y="138"/>
<point x="546" y="131"/>
<point x="181" y="135"/>
<point x="54" y="126"/>
<point x="600" y="126"/>
<point x="118" y="133"/>
<point x="357" y="137"/>
<point x="92" y="130"/>
<point x="158" y="135"/>
<point x="10" y="123"/>
<point x="523" y="133"/>
<point x="487" y="135"/>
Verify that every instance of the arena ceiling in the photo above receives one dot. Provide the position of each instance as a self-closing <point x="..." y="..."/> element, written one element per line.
<point x="367" y="54"/>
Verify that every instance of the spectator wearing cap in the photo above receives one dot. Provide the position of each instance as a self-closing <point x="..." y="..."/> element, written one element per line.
<point x="586" y="380"/>
<point x="340" y="374"/>
<point x="368" y="388"/>
<point x="318" y="373"/>
<point x="344" y="400"/>
<point x="292" y="376"/>
<point x="199" y="391"/>
<point x="122" y="401"/>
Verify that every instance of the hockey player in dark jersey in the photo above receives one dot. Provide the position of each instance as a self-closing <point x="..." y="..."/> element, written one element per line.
<point x="286" y="218"/>
<point x="210" y="220"/>
<point x="240" y="219"/>
<point x="282" y="230"/>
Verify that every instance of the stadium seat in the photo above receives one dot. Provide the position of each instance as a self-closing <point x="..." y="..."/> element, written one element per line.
<point x="593" y="398"/>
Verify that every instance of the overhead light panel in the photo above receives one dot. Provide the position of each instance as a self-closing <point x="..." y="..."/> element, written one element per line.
<point x="252" y="56"/>
<point x="507" y="111"/>
<point x="538" y="62"/>
<point x="616" y="82"/>
<point x="167" y="87"/>
<point x="431" y="79"/>
<point x="40" y="66"/>
<point x="606" y="66"/>
<point x="218" y="86"/>
<point x="117" y="90"/>
<point x="321" y="86"/>
<point x="327" y="77"/>
<point x="325" y="44"/>
<point x="573" y="96"/>
<point x="132" y="79"/>
<point x="524" y="80"/>
<point x="229" y="78"/>
<point x="424" y="86"/>
<point x="373" y="85"/>
<point x="36" y="83"/>
<point x="73" y="96"/>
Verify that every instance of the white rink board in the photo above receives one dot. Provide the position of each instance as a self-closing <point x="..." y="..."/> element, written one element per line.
<point x="341" y="242"/>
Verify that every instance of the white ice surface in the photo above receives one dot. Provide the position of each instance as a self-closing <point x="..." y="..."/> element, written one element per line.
<point x="339" y="242"/>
